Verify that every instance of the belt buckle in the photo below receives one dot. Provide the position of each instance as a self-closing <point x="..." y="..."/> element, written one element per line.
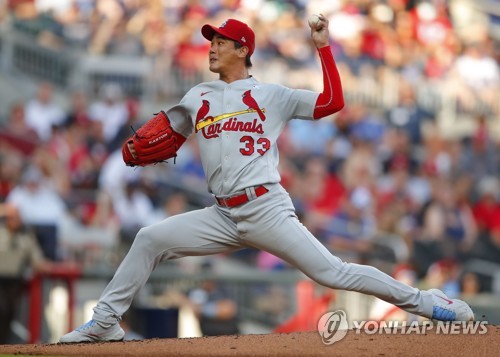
<point x="223" y="202"/>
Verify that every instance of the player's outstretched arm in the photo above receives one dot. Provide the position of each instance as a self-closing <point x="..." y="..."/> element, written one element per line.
<point x="331" y="100"/>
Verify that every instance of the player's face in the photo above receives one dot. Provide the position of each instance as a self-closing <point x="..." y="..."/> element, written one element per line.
<point x="223" y="54"/>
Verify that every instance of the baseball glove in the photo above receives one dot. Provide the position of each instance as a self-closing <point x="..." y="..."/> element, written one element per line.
<point x="156" y="141"/>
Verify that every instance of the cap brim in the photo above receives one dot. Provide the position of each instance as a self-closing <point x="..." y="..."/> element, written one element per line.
<point x="208" y="31"/>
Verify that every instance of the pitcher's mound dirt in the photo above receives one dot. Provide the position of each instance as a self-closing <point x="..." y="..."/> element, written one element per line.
<point x="292" y="344"/>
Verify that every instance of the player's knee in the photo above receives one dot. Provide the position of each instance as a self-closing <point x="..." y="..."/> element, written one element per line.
<point x="328" y="281"/>
<point x="144" y="236"/>
<point x="151" y="239"/>
<point x="332" y="276"/>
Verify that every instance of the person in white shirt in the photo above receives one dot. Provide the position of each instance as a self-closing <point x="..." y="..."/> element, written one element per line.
<point x="43" y="113"/>
<point x="41" y="208"/>
<point x="134" y="209"/>
<point x="111" y="111"/>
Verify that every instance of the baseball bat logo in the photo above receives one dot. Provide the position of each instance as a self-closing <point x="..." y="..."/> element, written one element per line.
<point x="332" y="327"/>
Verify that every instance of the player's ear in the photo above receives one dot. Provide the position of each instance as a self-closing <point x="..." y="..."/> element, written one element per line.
<point x="243" y="52"/>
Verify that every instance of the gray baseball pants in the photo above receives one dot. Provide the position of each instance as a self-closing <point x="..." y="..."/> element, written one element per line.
<point x="268" y="223"/>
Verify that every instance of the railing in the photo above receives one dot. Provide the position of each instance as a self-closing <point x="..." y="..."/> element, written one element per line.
<point x="37" y="61"/>
<point x="68" y="69"/>
<point x="142" y="76"/>
<point x="268" y="298"/>
<point x="253" y="291"/>
<point x="130" y="73"/>
<point x="486" y="268"/>
<point x="246" y="286"/>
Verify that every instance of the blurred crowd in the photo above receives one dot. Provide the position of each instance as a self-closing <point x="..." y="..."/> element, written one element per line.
<point x="446" y="44"/>
<point x="377" y="185"/>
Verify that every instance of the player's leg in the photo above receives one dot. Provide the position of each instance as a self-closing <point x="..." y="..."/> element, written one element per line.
<point x="201" y="232"/>
<point x="271" y="225"/>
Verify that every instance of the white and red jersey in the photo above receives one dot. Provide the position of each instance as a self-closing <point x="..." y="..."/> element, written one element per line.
<point x="237" y="125"/>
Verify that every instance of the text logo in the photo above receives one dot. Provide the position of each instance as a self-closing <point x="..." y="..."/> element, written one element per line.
<point x="332" y="327"/>
<point x="416" y="328"/>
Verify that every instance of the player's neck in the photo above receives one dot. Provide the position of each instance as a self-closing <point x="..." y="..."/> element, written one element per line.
<point x="235" y="75"/>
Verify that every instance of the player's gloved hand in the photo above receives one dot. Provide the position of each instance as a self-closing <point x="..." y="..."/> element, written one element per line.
<point x="154" y="142"/>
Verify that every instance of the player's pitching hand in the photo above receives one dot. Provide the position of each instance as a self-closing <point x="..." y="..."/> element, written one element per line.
<point x="319" y="30"/>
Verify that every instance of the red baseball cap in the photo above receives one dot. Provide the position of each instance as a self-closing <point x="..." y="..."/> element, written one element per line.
<point x="234" y="30"/>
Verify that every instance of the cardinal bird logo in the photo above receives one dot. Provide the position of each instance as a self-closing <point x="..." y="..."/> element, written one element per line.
<point x="252" y="104"/>
<point x="203" y="111"/>
<point x="202" y="114"/>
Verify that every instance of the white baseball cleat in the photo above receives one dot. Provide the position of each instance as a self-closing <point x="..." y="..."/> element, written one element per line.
<point x="93" y="331"/>
<point x="445" y="309"/>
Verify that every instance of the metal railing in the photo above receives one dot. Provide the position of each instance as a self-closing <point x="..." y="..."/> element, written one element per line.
<point x="141" y="76"/>
<point x="247" y="287"/>
<point x="486" y="268"/>
<point x="129" y="72"/>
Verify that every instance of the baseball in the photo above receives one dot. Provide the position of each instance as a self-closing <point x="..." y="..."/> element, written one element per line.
<point x="313" y="20"/>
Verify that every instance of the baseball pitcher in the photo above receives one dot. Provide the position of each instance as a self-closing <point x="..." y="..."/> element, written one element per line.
<point x="237" y="120"/>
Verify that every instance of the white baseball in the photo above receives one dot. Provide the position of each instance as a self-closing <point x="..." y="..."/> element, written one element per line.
<point x="313" y="20"/>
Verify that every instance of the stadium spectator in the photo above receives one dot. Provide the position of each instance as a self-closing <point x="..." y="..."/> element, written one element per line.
<point x="448" y="227"/>
<point x="20" y="257"/>
<point x="16" y="132"/>
<point x="147" y="22"/>
<point x="188" y="164"/>
<point x="125" y="130"/>
<point x="352" y="230"/>
<point x="101" y="213"/>
<point x="16" y="124"/>
<point x="107" y="15"/>
<point x="52" y="166"/>
<point x="134" y="210"/>
<point x="11" y="164"/>
<point x="217" y="312"/>
<point x="444" y="274"/>
<point x="41" y="208"/>
<point x="439" y="63"/>
<point x="300" y="132"/>
<point x="470" y="285"/>
<point x="486" y="209"/>
<point x="110" y="110"/>
<point x="174" y="203"/>
<point x="412" y="54"/>
<point x="408" y="115"/>
<point x="480" y="155"/>
<point x="393" y="188"/>
<point x="397" y="152"/>
<point x="391" y="240"/>
<point x="114" y="175"/>
<point x="78" y="112"/>
<point x="339" y="148"/>
<point x="318" y="193"/>
<point x="436" y="158"/>
<point x="478" y="75"/>
<point x="432" y="25"/>
<point x="43" y="113"/>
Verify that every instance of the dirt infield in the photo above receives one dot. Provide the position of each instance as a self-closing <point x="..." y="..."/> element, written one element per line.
<point x="293" y="344"/>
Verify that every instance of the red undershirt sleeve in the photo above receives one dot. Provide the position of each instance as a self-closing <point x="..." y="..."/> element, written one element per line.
<point x="331" y="100"/>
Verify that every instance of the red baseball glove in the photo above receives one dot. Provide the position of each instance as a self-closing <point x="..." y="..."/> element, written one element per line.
<point x="156" y="141"/>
